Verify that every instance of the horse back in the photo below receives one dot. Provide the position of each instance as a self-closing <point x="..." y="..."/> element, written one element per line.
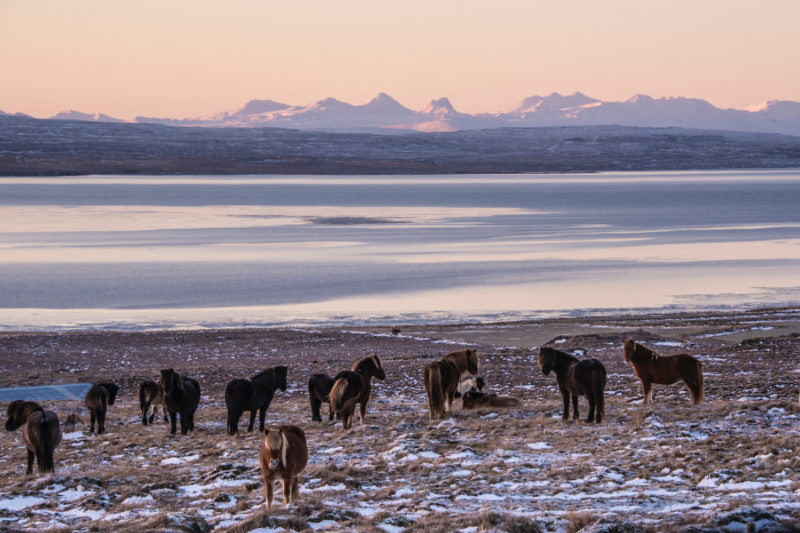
<point x="18" y="413"/>
<point x="239" y="393"/>
<point x="297" y="455"/>
<point x="669" y="369"/>
<point x="320" y="385"/>
<point x="450" y="375"/>
<point x="42" y="427"/>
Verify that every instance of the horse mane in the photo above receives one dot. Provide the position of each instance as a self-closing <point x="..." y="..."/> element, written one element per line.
<point x="278" y="444"/>
<point x="176" y="378"/>
<point x="631" y="348"/>
<point x="362" y="364"/>
<point x="274" y="372"/>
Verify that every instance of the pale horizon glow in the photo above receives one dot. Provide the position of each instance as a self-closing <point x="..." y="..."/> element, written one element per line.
<point x="186" y="59"/>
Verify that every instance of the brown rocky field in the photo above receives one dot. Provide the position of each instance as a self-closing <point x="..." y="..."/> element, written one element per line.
<point x="729" y="464"/>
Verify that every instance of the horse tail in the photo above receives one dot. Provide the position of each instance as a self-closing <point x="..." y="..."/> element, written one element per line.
<point x="337" y="395"/>
<point x="433" y="384"/>
<point x="700" y="392"/>
<point x="599" y="382"/>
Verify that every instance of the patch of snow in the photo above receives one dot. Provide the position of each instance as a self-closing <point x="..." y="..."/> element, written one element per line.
<point x="339" y="487"/>
<point x="180" y="460"/>
<point x="329" y="451"/>
<point x="18" y="503"/>
<point x="325" y="524"/>
<point x="137" y="500"/>
<point x="390" y="528"/>
<point x="74" y="435"/>
<point x="71" y="495"/>
<point x="538" y="445"/>
<point x="196" y="490"/>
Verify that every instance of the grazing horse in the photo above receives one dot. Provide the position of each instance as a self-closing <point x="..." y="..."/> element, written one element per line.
<point x="97" y="400"/>
<point x="478" y="400"/>
<point x="181" y="396"/>
<point x="18" y="413"/>
<point x="442" y="378"/>
<point x="319" y="390"/>
<point x="575" y="378"/>
<point x="253" y="395"/>
<point x="41" y="433"/>
<point x="352" y="387"/>
<point x="151" y="393"/>
<point x="283" y="456"/>
<point x="650" y="367"/>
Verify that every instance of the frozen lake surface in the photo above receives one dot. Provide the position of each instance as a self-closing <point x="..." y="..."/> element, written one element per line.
<point x="120" y="252"/>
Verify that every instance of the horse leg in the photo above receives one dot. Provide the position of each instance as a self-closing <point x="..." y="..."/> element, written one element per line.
<point x="145" y="409"/>
<point x="153" y="414"/>
<point x="268" y="491"/>
<point x="29" y="471"/>
<point x="565" y="399"/>
<point x="574" y="407"/>
<point x="233" y="421"/>
<point x="647" y="389"/>
<point x="295" y="488"/>
<point x="190" y="417"/>
<point x="330" y="412"/>
<point x="173" y="420"/>
<point x="91" y="421"/>
<point x="252" y="420"/>
<point x="101" y="422"/>
<point x="262" y="414"/>
<point x="590" y="397"/>
<point x="287" y="489"/>
<point x="184" y="423"/>
<point x="315" y="405"/>
<point x="363" y="411"/>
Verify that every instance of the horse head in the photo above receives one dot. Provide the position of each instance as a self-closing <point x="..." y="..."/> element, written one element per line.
<point x="112" y="389"/>
<point x="470" y="398"/>
<point x="280" y="377"/>
<point x="628" y="347"/>
<point x="472" y="361"/>
<point x="276" y="443"/>
<point x="378" y="371"/>
<point x="546" y="360"/>
<point x="171" y="380"/>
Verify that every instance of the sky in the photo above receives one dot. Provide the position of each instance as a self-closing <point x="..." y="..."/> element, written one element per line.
<point x="182" y="58"/>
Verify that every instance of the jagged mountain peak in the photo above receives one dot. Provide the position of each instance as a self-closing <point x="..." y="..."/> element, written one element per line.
<point x="439" y="106"/>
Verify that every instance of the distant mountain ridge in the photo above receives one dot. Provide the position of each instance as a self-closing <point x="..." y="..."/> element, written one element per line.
<point x="385" y="114"/>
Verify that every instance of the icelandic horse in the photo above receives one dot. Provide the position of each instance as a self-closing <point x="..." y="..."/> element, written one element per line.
<point x="442" y="379"/>
<point x="650" y="367"/>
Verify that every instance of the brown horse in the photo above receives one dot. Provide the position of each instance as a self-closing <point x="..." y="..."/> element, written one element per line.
<point x="352" y="387"/>
<point x="283" y="456"/>
<point x="480" y="400"/>
<point x="18" y="412"/>
<point x="442" y="379"/>
<point x="575" y="378"/>
<point x="97" y="400"/>
<point x="319" y="390"/>
<point x="650" y="367"/>
<point x="151" y="394"/>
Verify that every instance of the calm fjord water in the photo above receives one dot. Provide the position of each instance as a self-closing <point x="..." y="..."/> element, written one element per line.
<point x="138" y="252"/>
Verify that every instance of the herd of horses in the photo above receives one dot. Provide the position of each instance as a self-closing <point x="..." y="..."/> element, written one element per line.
<point x="284" y="452"/>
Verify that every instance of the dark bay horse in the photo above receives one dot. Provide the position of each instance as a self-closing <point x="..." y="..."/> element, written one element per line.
<point x="41" y="433"/>
<point x="181" y="396"/>
<point x="18" y="412"/>
<point x="151" y="394"/>
<point x="650" y="367"/>
<point x="319" y="390"/>
<point x="352" y="387"/>
<point x="442" y="379"/>
<point x="253" y="395"/>
<point x="283" y="456"/>
<point x="479" y="400"/>
<point x="575" y="378"/>
<point x="97" y="400"/>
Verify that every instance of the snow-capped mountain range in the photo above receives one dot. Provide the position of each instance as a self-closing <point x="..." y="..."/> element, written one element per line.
<point x="384" y="113"/>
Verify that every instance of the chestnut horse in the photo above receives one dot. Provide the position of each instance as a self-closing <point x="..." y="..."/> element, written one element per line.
<point x="253" y="395"/>
<point x="575" y="378"/>
<point x="480" y="400"/>
<point x="283" y="456"/>
<point x="97" y="400"/>
<point x="151" y="393"/>
<point x="181" y="396"/>
<point x="352" y="387"/>
<point x="319" y="390"/>
<point x="442" y="379"/>
<point x="650" y="367"/>
<point x="41" y="433"/>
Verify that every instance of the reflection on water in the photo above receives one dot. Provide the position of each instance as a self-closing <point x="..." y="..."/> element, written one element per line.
<point x="207" y="251"/>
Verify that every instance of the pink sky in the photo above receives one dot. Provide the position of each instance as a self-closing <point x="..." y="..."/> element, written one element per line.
<point x="180" y="59"/>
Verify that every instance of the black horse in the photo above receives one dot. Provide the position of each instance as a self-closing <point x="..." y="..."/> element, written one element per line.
<point x="253" y="395"/>
<point x="575" y="378"/>
<point x="181" y="396"/>
<point x="97" y="400"/>
<point x="319" y="390"/>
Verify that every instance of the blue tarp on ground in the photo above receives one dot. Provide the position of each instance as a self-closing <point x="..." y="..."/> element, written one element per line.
<point x="69" y="391"/>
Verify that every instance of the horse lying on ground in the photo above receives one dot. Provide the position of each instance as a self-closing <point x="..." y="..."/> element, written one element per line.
<point x="442" y="379"/>
<point x="181" y="396"/>
<point x="253" y="395"/>
<point x="97" y="400"/>
<point x="319" y="390"/>
<point x="151" y="393"/>
<point x="41" y="433"/>
<point x="18" y="412"/>
<point x="575" y="378"/>
<point x="479" y="400"/>
<point x="352" y="387"/>
<point x="471" y="384"/>
<point x="283" y="456"/>
<point x="650" y="367"/>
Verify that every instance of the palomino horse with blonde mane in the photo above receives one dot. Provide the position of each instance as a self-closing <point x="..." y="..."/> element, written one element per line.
<point x="442" y="379"/>
<point x="352" y="387"/>
<point x="650" y="367"/>
<point x="283" y="456"/>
